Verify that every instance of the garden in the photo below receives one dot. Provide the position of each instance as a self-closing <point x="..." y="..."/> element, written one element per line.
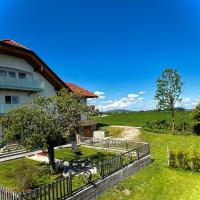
<point x="23" y="174"/>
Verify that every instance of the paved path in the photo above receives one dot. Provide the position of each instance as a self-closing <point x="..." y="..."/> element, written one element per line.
<point x="18" y="156"/>
<point x="130" y="132"/>
<point x="21" y="155"/>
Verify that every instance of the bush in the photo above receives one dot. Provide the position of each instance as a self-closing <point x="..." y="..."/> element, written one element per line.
<point x="185" y="159"/>
<point x="26" y="175"/>
<point x="158" y="124"/>
<point x="162" y="126"/>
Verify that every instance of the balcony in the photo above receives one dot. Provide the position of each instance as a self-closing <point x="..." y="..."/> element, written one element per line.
<point x="21" y="84"/>
<point x="6" y="107"/>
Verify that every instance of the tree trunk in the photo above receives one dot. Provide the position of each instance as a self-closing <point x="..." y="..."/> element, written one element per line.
<point x="173" y="120"/>
<point x="51" y="158"/>
<point x="73" y="141"/>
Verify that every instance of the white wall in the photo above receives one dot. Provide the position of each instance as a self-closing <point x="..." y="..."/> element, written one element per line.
<point x="24" y="97"/>
<point x="7" y="61"/>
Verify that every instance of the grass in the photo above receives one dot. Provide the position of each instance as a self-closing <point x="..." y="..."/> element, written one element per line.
<point x="113" y="131"/>
<point x="42" y="175"/>
<point x="140" y="118"/>
<point x="94" y="155"/>
<point x="7" y="179"/>
<point x="158" y="181"/>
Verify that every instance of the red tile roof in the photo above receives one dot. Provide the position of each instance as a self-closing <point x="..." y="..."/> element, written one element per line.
<point x="13" y="43"/>
<point x="81" y="91"/>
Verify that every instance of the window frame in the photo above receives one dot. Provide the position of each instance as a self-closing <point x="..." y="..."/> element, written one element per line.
<point x="12" y="101"/>
<point x="14" y="73"/>
<point x="21" y="77"/>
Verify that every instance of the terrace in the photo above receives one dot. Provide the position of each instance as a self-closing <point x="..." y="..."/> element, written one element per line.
<point x="15" y="83"/>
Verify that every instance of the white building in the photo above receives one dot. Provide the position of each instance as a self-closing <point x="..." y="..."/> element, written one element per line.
<point x="23" y="74"/>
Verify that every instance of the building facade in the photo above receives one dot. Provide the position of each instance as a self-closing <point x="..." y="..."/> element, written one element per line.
<point x="23" y="75"/>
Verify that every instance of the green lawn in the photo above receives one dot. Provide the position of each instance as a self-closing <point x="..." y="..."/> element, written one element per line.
<point x="42" y="175"/>
<point x="140" y="118"/>
<point x="158" y="181"/>
<point x="7" y="179"/>
<point x="94" y="155"/>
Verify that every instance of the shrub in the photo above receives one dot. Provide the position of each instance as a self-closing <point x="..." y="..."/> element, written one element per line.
<point x="162" y="126"/>
<point x="185" y="159"/>
<point x="26" y="175"/>
<point x="158" y="124"/>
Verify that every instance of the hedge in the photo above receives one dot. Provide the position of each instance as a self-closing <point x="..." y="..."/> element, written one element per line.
<point x="185" y="159"/>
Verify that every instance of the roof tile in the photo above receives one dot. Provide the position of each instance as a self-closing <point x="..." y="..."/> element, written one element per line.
<point x="81" y="91"/>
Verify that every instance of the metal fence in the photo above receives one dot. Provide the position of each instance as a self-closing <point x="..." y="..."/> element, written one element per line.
<point x="108" y="143"/>
<point x="6" y="194"/>
<point x="68" y="186"/>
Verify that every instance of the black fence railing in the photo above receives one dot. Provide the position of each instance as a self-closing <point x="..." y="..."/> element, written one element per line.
<point x="70" y="185"/>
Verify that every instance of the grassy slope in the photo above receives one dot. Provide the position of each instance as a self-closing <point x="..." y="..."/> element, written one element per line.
<point x="140" y="118"/>
<point x="158" y="181"/>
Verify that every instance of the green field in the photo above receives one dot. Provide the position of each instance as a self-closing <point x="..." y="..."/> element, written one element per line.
<point x="140" y="118"/>
<point x="158" y="181"/>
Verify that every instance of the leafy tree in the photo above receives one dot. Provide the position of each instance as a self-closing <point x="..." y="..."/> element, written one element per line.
<point x="45" y="120"/>
<point x="169" y="89"/>
<point x="196" y="117"/>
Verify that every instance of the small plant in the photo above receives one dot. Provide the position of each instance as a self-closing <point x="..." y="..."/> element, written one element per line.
<point x="26" y="175"/>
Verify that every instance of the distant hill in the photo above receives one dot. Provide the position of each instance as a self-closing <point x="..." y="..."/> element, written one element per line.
<point x="117" y="111"/>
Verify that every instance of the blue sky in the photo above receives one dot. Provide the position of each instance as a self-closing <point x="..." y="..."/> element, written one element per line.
<point x="117" y="48"/>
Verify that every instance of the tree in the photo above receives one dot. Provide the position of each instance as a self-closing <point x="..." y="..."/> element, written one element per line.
<point x="169" y="89"/>
<point x="45" y="120"/>
<point x="196" y="117"/>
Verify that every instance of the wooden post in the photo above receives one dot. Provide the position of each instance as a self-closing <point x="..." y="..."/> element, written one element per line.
<point x="167" y="155"/>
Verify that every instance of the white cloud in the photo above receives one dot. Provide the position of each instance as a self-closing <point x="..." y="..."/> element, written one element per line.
<point x="100" y="94"/>
<point x="121" y="103"/>
<point x="109" y="101"/>
<point x="195" y="103"/>
<point x="186" y="100"/>
<point x="142" y="92"/>
<point x="133" y="95"/>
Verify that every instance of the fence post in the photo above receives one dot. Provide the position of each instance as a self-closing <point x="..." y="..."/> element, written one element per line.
<point x="167" y="155"/>
<point x="20" y="195"/>
<point x="149" y="152"/>
<point x="138" y="153"/>
<point x="126" y="144"/>
<point x="70" y="184"/>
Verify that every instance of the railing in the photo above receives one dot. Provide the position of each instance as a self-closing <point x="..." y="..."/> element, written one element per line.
<point x="67" y="187"/>
<point x="20" y="84"/>
<point x="6" y="194"/>
<point x="108" y="143"/>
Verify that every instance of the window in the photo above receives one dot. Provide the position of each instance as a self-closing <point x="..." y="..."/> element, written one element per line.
<point x="15" y="99"/>
<point x="8" y="99"/>
<point x="11" y="74"/>
<point x="21" y="75"/>
<point x="3" y="73"/>
<point x="11" y="99"/>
